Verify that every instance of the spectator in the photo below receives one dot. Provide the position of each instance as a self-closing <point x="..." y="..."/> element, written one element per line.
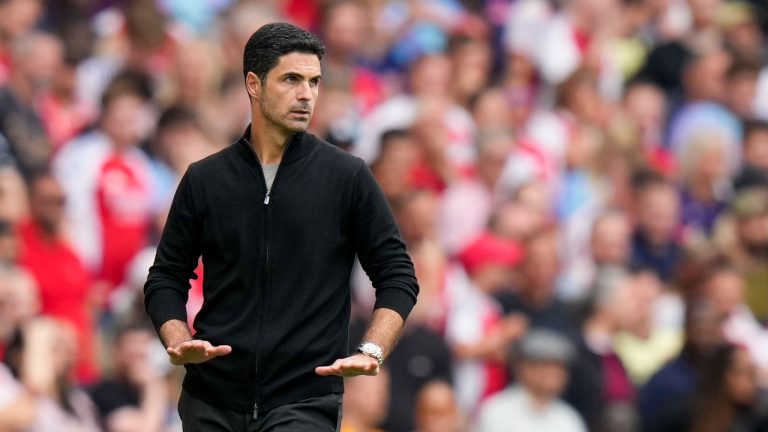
<point x="726" y="398"/>
<point x="667" y="60"/>
<point x="755" y="155"/>
<point x="705" y="184"/>
<point x="725" y="288"/>
<point x="9" y="245"/>
<point x="66" y="290"/>
<point x="109" y="182"/>
<point x="345" y="30"/>
<point x="490" y="109"/>
<point x="437" y="410"/>
<point x="179" y="140"/>
<point x="62" y="111"/>
<point x="429" y="79"/>
<point x="741" y="89"/>
<point x="743" y="238"/>
<point x="703" y="114"/>
<point x="416" y="215"/>
<point x="579" y="31"/>
<point x="467" y="205"/>
<point x="610" y="247"/>
<point x="679" y="378"/>
<point x="477" y="329"/>
<point x="645" y="344"/>
<point x="533" y="403"/>
<point x="37" y="58"/>
<point x="37" y="393"/>
<point x="365" y="402"/>
<point x="535" y="298"/>
<point x="645" y="105"/>
<point x="740" y="24"/>
<point x="17" y="18"/>
<point x="135" y="395"/>
<point x="657" y="215"/>
<point x="398" y="156"/>
<point x="472" y="61"/>
<point x="422" y="357"/>
<point x="19" y="303"/>
<point x="600" y="388"/>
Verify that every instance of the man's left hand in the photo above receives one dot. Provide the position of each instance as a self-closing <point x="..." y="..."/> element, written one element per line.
<point x="358" y="364"/>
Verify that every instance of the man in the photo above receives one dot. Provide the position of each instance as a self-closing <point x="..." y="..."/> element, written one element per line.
<point x="135" y="396"/>
<point x="66" y="290"/>
<point x="37" y="58"/>
<point x="533" y="403"/>
<point x="278" y="218"/>
<point x="109" y="181"/>
<point x="654" y="243"/>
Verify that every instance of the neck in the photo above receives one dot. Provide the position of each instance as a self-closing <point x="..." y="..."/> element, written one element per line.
<point x="268" y="142"/>
<point x="533" y="297"/>
<point x="701" y="190"/>
<point x="48" y="232"/>
<point x="22" y="90"/>
<point x="539" y="401"/>
<point x="599" y="325"/>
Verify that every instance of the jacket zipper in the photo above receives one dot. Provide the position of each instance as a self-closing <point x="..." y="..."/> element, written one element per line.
<point x="267" y="272"/>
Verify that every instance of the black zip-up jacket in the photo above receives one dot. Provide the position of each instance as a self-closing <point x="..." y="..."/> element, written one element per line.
<point x="277" y="268"/>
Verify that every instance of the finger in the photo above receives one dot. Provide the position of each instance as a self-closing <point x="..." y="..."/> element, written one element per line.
<point x="334" y="369"/>
<point x="220" y="350"/>
<point x="353" y="368"/>
<point x="172" y="351"/>
<point x="324" y="370"/>
<point x="193" y="346"/>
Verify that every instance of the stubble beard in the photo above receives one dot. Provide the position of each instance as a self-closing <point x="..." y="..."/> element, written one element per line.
<point x="282" y="122"/>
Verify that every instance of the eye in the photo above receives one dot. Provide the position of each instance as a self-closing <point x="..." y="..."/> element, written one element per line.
<point x="314" y="81"/>
<point x="290" y="78"/>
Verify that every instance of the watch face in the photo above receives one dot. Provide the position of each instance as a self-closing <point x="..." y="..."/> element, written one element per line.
<point x="371" y="349"/>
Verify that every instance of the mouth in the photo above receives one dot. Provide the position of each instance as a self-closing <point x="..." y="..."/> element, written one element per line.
<point x="301" y="112"/>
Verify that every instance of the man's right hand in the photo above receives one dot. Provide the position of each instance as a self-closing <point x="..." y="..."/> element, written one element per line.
<point x="196" y="351"/>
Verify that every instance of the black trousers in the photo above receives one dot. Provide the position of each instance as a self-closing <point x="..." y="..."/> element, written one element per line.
<point x="317" y="414"/>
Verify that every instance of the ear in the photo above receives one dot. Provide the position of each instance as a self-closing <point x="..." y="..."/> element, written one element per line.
<point x="253" y="85"/>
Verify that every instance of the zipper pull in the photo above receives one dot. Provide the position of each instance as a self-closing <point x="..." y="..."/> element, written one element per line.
<point x="266" y="199"/>
<point x="255" y="411"/>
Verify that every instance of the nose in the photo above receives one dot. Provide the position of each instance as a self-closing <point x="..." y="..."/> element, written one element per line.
<point x="304" y="92"/>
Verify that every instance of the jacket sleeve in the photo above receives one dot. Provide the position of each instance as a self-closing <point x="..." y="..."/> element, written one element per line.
<point x="380" y="248"/>
<point x="167" y="287"/>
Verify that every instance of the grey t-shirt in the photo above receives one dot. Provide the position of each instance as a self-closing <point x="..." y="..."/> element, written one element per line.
<point x="270" y="170"/>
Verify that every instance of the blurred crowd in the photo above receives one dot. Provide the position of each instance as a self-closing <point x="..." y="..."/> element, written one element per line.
<point x="582" y="185"/>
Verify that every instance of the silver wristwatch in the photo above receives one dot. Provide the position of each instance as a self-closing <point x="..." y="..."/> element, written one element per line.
<point x="372" y="350"/>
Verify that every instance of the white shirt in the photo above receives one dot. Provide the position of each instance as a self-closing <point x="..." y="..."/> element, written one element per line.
<point x="513" y="410"/>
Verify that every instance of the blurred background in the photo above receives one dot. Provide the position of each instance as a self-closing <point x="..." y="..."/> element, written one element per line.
<point x="582" y="185"/>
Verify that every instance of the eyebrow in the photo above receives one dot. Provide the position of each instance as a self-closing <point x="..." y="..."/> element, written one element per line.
<point x="297" y="74"/>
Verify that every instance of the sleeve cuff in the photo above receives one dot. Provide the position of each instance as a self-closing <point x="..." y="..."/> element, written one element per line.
<point x="164" y="305"/>
<point x="395" y="298"/>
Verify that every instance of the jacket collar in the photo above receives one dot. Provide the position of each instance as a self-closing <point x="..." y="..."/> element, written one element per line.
<point x="299" y="146"/>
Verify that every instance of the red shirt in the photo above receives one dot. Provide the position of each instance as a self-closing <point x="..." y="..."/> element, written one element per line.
<point x="64" y="287"/>
<point x="123" y="200"/>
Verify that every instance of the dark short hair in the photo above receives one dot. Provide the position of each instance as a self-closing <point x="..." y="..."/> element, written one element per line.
<point x="128" y="82"/>
<point x="177" y="115"/>
<point x="752" y="126"/>
<point x="274" y="40"/>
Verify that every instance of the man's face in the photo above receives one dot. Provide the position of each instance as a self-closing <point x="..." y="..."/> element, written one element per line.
<point x="47" y="203"/>
<point x="287" y="96"/>
<point x="544" y="378"/>
<point x="611" y="240"/>
<point x="659" y="213"/>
